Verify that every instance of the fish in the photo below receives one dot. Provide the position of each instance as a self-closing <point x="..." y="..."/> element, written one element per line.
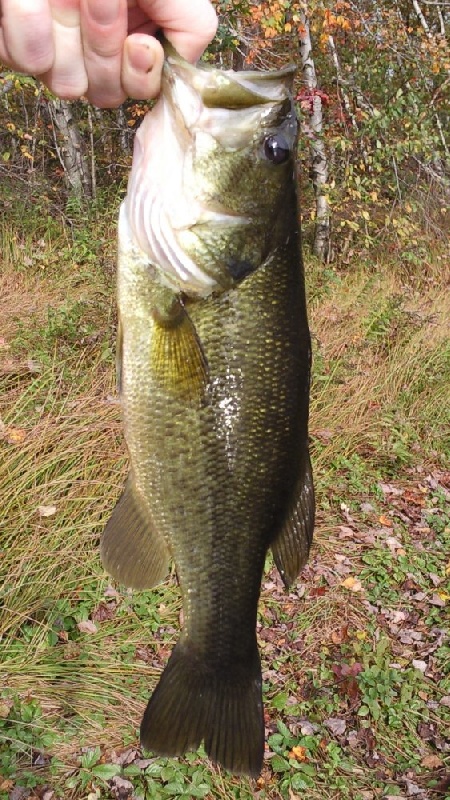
<point x="213" y="369"/>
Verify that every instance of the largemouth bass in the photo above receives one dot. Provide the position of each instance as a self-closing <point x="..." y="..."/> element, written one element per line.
<point x="213" y="371"/>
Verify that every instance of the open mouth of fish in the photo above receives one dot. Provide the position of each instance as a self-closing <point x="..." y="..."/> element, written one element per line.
<point x="163" y="208"/>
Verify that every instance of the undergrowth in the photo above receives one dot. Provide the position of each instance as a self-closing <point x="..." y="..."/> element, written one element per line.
<point x="354" y="657"/>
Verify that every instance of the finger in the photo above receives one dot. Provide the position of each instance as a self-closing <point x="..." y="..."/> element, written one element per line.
<point x="190" y="26"/>
<point x="142" y="66"/>
<point x="27" y="39"/>
<point x="68" y="77"/>
<point x="103" y="32"/>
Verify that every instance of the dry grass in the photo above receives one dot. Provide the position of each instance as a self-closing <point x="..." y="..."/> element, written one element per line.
<point x="382" y="352"/>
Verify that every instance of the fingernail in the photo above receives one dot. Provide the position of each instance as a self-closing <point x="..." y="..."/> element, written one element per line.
<point x="104" y="11"/>
<point x="140" y="57"/>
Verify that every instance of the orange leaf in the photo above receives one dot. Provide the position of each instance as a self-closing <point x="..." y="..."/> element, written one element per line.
<point x="15" y="435"/>
<point x="299" y="753"/>
<point x="353" y="584"/>
<point x="385" y="521"/>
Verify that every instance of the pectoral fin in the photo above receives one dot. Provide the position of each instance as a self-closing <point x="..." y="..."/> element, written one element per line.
<point x="177" y="357"/>
<point x="291" y="547"/>
<point x="131" y="550"/>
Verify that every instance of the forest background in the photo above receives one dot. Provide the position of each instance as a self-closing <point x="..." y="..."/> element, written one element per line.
<point x="356" y="657"/>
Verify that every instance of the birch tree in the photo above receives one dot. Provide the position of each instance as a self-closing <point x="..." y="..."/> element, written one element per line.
<point x="71" y="149"/>
<point x="311" y="100"/>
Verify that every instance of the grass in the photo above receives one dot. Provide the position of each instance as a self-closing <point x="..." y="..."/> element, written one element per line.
<point x="355" y="657"/>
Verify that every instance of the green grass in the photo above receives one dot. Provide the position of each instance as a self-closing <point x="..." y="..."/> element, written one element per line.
<point x="355" y="659"/>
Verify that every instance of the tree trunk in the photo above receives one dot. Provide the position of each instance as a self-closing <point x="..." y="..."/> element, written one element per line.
<point x="71" y="152"/>
<point x="311" y="102"/>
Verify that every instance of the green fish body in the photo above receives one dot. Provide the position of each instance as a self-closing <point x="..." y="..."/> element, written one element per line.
<point x="214" y="366"/>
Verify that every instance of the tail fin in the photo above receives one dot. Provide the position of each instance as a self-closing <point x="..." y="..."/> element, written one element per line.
<point x="192" y="703"/>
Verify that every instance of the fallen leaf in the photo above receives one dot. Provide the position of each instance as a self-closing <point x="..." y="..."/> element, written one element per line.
<point x="299" y="753"/>
<point x="15" y="435"/>
<point x="87" y="626"/>
<point x="318" y="591"/>
<point x="386" y="522"/>
<point x="111" y="592"/>
<point x="431" y="761"/>
<point x="413" y="789"/>
<point x="415" y="499"/>
<point x="394" y="545"/>
<point x="5" y="708"/>
<point x="345" y="532"/>
<point x="104" y="611"/>
<point x="324" y="434"/>
<point x="337" y="637"/>
<point x="388" y="488"/>
<point x="307" y="728"/>
<point x="353" y="584"/>
<point x="46" y="511"/>
<point x="123" y="786"/>
<point x="439" y="599"/>
<point x="335" y="725"/>
<point x="420" y="665"/>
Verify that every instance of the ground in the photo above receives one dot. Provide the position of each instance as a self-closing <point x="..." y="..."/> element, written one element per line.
<point x="355" y="657"/>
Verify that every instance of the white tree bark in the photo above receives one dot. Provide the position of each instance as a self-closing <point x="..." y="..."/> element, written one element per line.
<point x="71" y="152"/>
<point x="311" y="101"/>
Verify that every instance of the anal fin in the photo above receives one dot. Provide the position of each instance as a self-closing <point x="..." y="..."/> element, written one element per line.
<point x="132" y="552"/>
<point x="291" y="546"/>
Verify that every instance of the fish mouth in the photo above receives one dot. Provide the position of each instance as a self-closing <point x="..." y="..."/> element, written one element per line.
<point x="229" y="89"/>
<point x="204" y="98"/>
<point x="165" y="209"/>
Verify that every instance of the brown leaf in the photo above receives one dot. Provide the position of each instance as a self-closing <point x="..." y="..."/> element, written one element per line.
<point x="438" y="599"/>
<point x="104" y="611"/>
<point x="385" y="521"/>
<point x="345" y="532"/>
<point x="335" y="725"/>
<point x="324" y="434"/>
<point x="389" y="488"/>
<point x="317" y="591"/>
<point x="337" y="637"/>
<point x="5" y="708"/>
<point x="431" y="761"/>
<point x="15" y="435"/>
<point x="87" y="626"/>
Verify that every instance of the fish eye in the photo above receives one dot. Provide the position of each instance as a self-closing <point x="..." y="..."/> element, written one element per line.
<point x="276" y="149"/>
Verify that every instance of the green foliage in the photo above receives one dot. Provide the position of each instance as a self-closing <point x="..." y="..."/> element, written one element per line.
<point x="24" y="739"/>
<point x="388" y="693"/>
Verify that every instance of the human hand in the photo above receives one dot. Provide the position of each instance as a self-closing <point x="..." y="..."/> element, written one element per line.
<point x="103" y="49"/>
